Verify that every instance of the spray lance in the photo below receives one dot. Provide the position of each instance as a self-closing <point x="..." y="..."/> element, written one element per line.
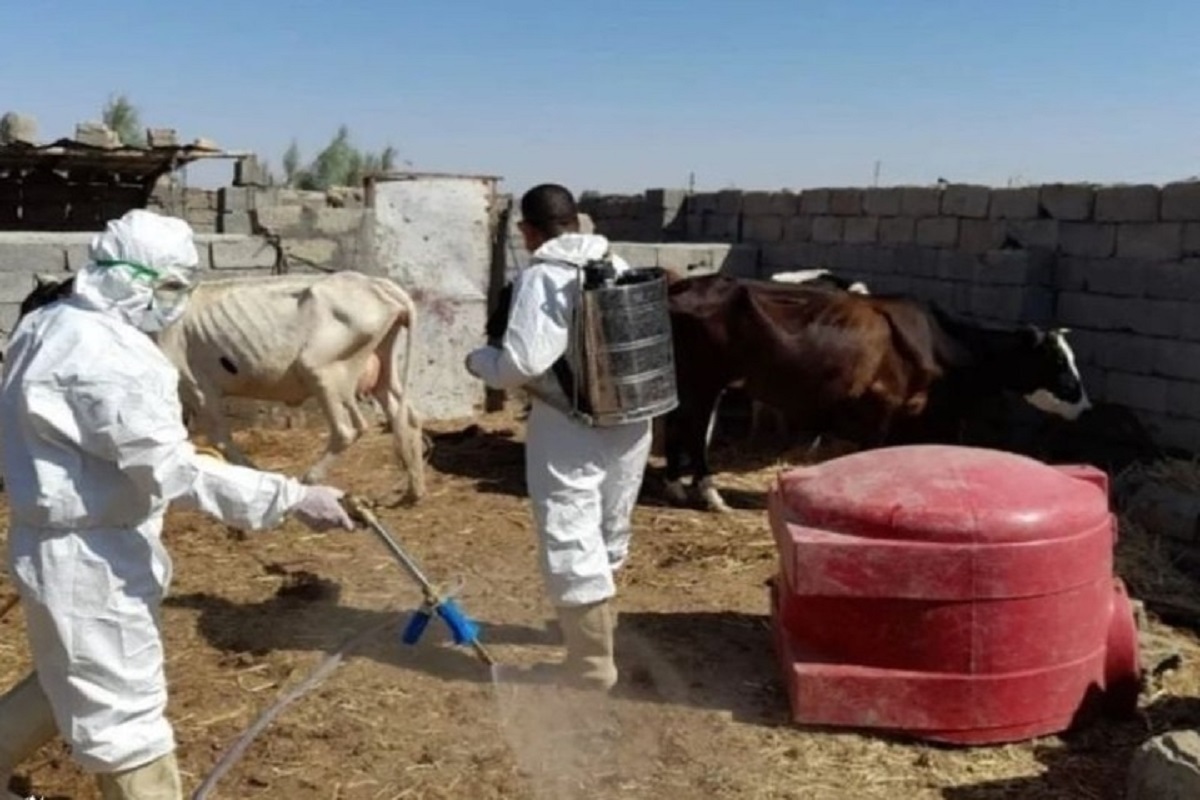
<point x="463" y="629"/>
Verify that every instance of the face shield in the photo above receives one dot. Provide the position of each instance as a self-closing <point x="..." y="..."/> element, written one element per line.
<point x="170" y="287"/>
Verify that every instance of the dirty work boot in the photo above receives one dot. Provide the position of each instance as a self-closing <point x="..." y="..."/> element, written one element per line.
<point x="588" y="631"/>
<point x="26" y="723"/>
<point x="156" y="780"/>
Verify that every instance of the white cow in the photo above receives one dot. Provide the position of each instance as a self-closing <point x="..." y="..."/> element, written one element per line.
<point x="288" y="338"/>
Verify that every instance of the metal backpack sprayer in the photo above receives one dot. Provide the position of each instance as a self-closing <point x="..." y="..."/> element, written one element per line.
<point x="620" y="364"/>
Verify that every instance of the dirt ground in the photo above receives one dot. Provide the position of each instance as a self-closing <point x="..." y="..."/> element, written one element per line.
<point x="702" y="713"/>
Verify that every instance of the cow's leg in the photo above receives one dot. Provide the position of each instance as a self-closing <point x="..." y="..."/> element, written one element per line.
<point x="407" y="438"/>
<point x="204" y="400"/>
<point x="673" y="438"/>
<point x="342" y="429"/>
<point x="689" y="435"/>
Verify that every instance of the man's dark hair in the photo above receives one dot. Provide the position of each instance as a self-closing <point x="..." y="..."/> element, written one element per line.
<point x="550" y="209"/>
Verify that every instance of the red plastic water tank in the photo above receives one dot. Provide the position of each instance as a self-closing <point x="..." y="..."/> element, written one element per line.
<point x="955" y="594"/>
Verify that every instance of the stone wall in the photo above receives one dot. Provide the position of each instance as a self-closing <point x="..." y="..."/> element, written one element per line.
<point x="1119" y="265"/>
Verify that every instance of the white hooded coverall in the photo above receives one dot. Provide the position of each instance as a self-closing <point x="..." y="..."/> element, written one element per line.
<point x="583" y="481"/>
<point x="93" y="449"/>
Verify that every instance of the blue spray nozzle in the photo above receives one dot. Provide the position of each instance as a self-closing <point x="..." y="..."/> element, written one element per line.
<point x="416" y="626"/>
<point x="462" y="628"/>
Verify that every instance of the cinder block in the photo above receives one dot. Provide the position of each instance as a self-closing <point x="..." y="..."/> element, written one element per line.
<point x="815" y="201"/>
<point x="1137" y="203"/>
<point x="846" y="202"/>
<point x="666" y="199"/>
<point x="336" y="221"/>
<point x="249" y="172"/>
<point x="1155" y="317"/>
<point x="235" y="198"/>
<point x="878" y="260"/>
<point x="1172" y="280"/>
<point x="908" y="259"/>
<point x="702" y="202"/>
<point x="998" y="302"/>
<point x="1153" y="241"/>
<point x="1181" y="201"/>
<point x="1116" y="276"/>
<point x="310" y="252"/>
<point x="235" y="222"/>
<point x="30" y="256"/>
<point x="77" y="255"/>
<point x="797" y="229"/>
<point x="1127" y="352"/>
<point x="1191" y="238"/>
<point x="729" y="201"/>
<point x="721" y="227"/>
<point x="881" y="202"/>
<point x="740" y="260"/>
<point x="1090" y="239"/>
<point x="757" y="204"/>
<point x="698" y="258"/>
<point x="1067" y="201"/>
<point x="762" y="229"/>
<point x="937" y="232"/>
<point x="785" y="204"/>
<point x="933" y="290"/>
<point x="1178" y="360"/>
<point x="162" y="137"/>
<point x="955" y="265"/>
<point x="1095" y="312"/>
<point x="981" y="235"/>
<point x="1145" y="392"/>
<point x="919" y="201"/>
<point x="1183" y="399"/>
<point x="96" y="134"/>
<point x="781" y="257"/>
<point x="636" y="254"/>
<point x="1189" y="320"/>
<point x="249" y="253"/>
<point x="966" y="200"/>
<point x="15" y="286"/>
<point x="1019" y="203"/>
<point x="898" y="230"/>
<point x="827" y="229"/>
<point x="928" y="263"/>
<point x="1041" y="234"/>
<point x="861" y="230"/>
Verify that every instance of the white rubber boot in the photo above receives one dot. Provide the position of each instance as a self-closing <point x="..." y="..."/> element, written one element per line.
<point x="156" y="780"/>
<point x="26" y="723"/>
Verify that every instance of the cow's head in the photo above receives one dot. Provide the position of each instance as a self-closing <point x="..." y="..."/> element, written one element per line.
<point x="1048" y="376"/>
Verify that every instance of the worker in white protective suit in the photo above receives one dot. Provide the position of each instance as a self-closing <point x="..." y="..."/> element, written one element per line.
<point x="93" y="449"/>
<point x="583" y="481"/>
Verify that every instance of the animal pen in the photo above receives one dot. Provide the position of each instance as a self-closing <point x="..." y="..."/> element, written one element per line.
<point x="702" y="709"/>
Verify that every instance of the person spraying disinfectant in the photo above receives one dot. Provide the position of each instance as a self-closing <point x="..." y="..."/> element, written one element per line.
<point x="93" y="449"/>
<point x="583" y="476"/>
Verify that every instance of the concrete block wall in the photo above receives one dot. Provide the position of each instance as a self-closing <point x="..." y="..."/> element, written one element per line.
<point x="1119" y="265"/>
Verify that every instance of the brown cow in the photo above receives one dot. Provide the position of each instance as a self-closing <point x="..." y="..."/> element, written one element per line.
<point x="869" y="368"/>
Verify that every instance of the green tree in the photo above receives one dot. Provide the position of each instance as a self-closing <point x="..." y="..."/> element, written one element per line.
<point x="291" y="163"/>
<point x="342" y="164"/>
<point x="122" y="116"/>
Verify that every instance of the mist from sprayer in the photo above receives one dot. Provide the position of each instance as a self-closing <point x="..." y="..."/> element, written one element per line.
<point x="569" y="743"/>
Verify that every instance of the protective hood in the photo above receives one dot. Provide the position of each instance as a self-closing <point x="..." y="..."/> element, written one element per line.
<point x="574" y="248"/>
<point x="140" y="268"/>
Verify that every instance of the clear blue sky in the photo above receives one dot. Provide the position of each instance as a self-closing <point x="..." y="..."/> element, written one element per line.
<point x="627" y="94"/>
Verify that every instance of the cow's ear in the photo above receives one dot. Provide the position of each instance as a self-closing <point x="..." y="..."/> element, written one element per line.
<point x="1033" y="335"/>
